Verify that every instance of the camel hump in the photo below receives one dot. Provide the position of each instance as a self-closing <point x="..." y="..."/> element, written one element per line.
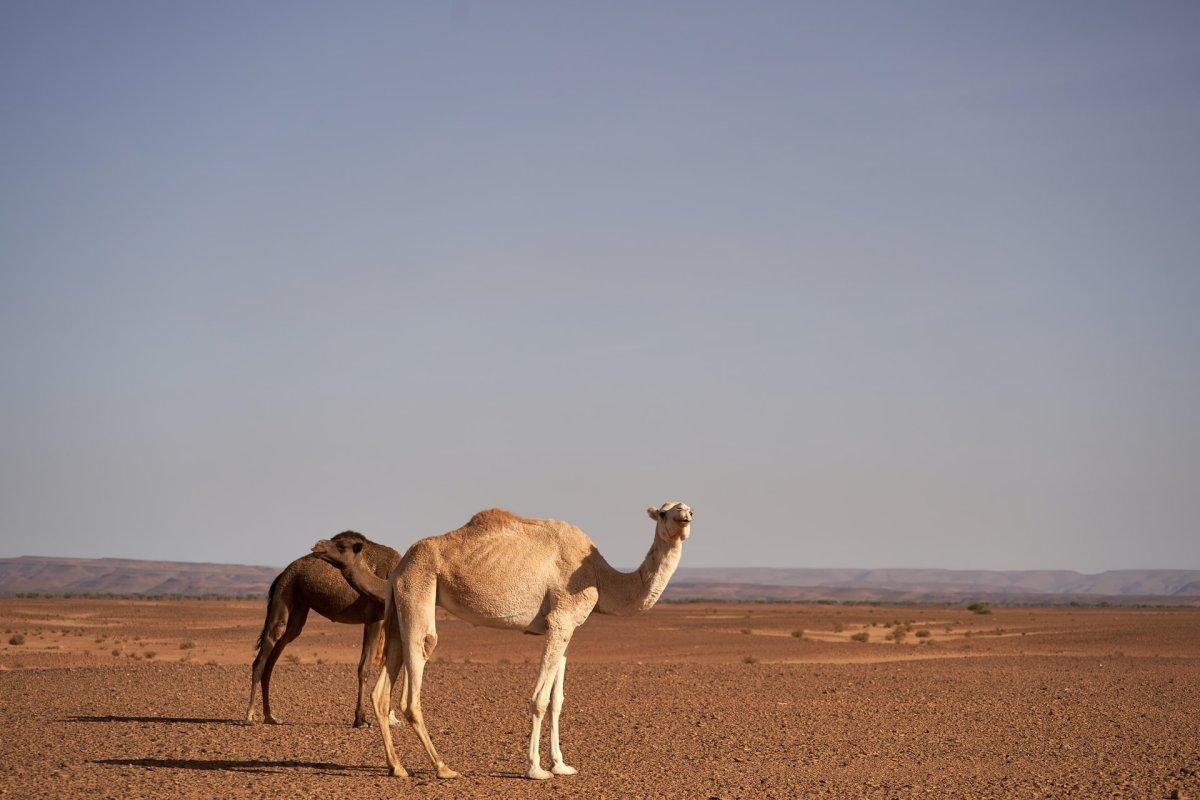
<point x="493" y="517"/>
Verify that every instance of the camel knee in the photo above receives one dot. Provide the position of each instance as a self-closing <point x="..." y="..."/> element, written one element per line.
<point x="538" y="706"/>
<point x="429" y="644"/>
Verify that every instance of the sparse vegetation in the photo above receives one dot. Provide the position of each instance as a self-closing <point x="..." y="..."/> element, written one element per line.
<point x="16" y="639"/>
<point x="861" y="636"/>
<point x="188" y="645"/>
<point x="979" y="608"/>
<point x="292" y="658"/>
<point x="150" y="654"/>
<point x="798" y="633"/>
<point x="116" y="651"/>
<point x="838" y="627"/>
<point x="746" y="631"/>
<point x="749" y="659"/>
<point x="922" y="633"/>
<point x="897" y="635"/>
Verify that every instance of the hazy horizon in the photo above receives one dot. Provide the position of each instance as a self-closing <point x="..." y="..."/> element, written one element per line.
<point x="865" y="284"/>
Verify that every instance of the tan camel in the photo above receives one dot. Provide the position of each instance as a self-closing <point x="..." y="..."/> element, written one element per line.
<point x="310" y="583"/>
<point x="544" y="577"/>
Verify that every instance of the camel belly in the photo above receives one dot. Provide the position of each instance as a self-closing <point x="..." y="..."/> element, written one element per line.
<point x="495" y="611"/>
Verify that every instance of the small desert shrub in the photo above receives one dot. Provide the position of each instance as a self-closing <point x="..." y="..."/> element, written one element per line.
<point x="897" y="635"/>
<point x="922" y="633"/>
<point x="746" y="631"/>
<point x="150" y="654"/>
<point x="861" y="636"/>
<point x="292" y="658"/>
<point x="798" y="633"/>
<point x="979" y="608"/>
<point x="503" y="661"/>
<point x="210" y="663"/>
<point x="116" y="651"/>
<point x="17" y="638"/>
<point x="749" y="659"/>
<point x="188" y="645"/>
<point x="838" y="627"/>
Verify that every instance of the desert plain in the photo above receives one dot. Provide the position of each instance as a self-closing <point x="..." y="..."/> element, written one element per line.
<point x="145" y="698"/>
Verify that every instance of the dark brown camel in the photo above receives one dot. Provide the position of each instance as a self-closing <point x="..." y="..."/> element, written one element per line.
<point x="311" y="583"/>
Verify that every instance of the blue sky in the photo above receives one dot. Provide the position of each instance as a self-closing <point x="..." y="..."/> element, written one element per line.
<point x="867" y="284"/>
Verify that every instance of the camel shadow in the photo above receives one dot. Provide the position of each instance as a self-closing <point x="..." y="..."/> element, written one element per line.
<point x="165" y="720"/>
<point x="225" y="765"/>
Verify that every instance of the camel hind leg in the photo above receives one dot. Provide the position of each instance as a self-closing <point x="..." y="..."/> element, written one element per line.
<point x="277" y="619"/>
<point x="295" y="624"/>
<point x="381" y="697"/>
<point x="419" y="635"/>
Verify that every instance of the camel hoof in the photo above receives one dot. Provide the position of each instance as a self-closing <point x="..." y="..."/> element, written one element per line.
<point x="361" y="723"/>
<point x="399" y="772"/>
<point x="447" y="774"/>
<point x="271" y="721"/>
<point x="250" y="718"/>
<point x="563" y="769"/>
<point x="538" y="774"/>
<point x="392" y="719"/>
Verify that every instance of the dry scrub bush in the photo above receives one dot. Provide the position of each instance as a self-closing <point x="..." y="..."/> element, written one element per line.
<point x="749" y="659"/>
<point x="15" y="639"/>
<point x="861" y="636"/>
<point x="798" y="633"/>
<point x="922" y="633"/>
<point x="188" y="645"/>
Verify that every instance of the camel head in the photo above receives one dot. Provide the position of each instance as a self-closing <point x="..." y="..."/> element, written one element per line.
<point x="674" y="520"/>
<point x="341" y="550"/>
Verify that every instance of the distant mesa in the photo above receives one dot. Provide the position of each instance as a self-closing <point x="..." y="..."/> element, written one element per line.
<point x="46" y="575"/>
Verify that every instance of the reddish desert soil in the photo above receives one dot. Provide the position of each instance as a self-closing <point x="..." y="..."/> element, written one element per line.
<point x="686" y="701"/>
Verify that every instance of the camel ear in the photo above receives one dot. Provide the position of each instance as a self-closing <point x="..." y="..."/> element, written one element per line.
<point x="357" y="547"/>
<point x="654" y="513"/>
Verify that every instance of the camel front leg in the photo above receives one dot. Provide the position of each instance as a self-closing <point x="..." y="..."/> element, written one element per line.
<point x="558" y="766"/>
<point x="372" y="639"/>
<point x="552" y="656"/>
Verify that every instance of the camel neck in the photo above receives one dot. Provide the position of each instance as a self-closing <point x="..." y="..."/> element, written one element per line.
<point x="630" y="592"/>
<point x="364" y="580"/>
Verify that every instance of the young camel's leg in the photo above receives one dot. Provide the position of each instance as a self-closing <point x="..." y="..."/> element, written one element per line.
<point x="420" y="638"/>
<point x="295" y="624"/>
<point x="559" y="767"/>
<point x="277" y="617"/>
<point x="372" y="639"/>
<point x="552" y="656"/>
<point x="381" y="697"/>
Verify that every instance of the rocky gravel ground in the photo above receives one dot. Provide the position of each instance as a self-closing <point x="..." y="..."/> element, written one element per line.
<point x="687" y="701"/>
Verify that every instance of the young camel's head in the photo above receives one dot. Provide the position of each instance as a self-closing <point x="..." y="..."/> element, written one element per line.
<point x="674" y="520"/>
<point x="341" y="550"/>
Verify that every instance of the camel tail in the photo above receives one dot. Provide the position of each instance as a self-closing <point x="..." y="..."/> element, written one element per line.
<point x="267" y="622"/>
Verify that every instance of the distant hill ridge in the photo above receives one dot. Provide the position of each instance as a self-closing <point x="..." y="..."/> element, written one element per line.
<point x="48" y="575"/>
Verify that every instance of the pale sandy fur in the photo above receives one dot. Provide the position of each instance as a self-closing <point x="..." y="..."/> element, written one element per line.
<point x="544" y="577"/>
